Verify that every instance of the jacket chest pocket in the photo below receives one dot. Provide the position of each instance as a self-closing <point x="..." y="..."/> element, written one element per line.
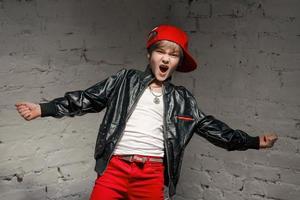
<point x="184" y="118"/>
<point x="183" y="127"/>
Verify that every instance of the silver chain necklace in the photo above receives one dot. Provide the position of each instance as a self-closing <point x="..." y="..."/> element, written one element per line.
<point x="156" y="97"/>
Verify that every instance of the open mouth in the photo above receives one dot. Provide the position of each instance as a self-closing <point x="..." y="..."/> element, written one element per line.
<point x="163" y="68"/>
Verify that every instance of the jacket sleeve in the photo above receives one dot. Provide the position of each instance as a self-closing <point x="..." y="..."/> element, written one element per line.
<point x="93" y="99"/>
<point x="220" y="134"/>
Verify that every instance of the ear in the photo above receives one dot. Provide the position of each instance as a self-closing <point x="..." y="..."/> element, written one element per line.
<point x="148" y="55"/>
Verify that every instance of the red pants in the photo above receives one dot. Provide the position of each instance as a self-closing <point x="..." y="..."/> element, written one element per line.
<point x="130" y="181"/>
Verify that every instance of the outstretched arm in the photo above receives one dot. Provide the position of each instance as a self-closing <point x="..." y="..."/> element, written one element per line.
<point x="93" y="99"/>
<point x="220" y="134"/>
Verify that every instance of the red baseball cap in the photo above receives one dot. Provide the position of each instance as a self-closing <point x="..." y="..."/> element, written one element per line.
<point x="178" y="36"/>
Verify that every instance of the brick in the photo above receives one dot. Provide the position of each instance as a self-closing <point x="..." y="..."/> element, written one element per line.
<point x="200" y="177"/>
<point x="282" y="191"/>
<point x="279" y="9"/>
<point x="212" y="194"/>
<point x="264" y="173"/>
<point x="34" y="194"/>
<point x="225" y="181"/>
<point x="65" y="157"/>
<point x="254" y="187"/>
<point x="290" y="176"/>
<point x="236" y="168"/>
<point x="278" y="159"/>
<point x="234" y="195"/>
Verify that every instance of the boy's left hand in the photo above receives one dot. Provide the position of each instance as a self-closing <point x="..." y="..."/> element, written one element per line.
<point x="267" y="141"/>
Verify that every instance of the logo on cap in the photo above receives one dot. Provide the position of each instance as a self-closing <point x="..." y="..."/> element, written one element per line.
<point x="152" y="35"/>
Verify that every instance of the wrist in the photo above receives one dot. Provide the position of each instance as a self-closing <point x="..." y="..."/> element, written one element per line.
<point x="47" y="109"/>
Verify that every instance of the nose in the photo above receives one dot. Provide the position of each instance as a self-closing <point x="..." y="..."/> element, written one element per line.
<point x="165" y="59"/>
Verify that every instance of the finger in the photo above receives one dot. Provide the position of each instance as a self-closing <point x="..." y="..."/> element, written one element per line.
<point x="273" y="138"/>
<point x="18" y="107"/>
<point x="20" y="112"/>
<point x="30" y="117"/>
<point x="24" y="116"/>
<point x="23" y="109"/>
<point x="274" y="135"/>
<point x="27" y="116"/>
<point x="271" y="143"/>
<point x="25" y="113"/>
<point x="20" y="103"/>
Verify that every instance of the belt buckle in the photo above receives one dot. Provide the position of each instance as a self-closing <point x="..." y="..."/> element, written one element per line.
<point x="138" y="159"/>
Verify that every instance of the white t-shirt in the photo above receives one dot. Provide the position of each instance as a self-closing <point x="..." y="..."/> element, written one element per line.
<point x="143" y="134"/>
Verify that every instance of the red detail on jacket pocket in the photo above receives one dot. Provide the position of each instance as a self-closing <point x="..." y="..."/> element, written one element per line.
<point x="185" y="118"/>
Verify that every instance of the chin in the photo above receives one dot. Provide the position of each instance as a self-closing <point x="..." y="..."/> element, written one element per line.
<point x="159" y="78"/>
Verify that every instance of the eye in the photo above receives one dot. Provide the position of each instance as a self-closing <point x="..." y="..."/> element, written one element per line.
<point x="159" y="51"/>
<point x="175" y="55"/>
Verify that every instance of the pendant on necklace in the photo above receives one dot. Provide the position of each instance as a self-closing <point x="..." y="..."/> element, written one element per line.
<point x="156" y="100"/>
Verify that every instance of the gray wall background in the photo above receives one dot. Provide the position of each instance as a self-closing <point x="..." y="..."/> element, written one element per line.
<point x="249" y="56"/>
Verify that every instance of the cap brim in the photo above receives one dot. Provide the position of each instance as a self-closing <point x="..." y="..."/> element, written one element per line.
<point x="188" y="64"/>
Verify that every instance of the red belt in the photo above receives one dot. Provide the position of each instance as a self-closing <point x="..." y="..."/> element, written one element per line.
<point x="140" y="159"/>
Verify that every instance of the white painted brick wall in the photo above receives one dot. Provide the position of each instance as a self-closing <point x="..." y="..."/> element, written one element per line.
<point x="249" y="71"/>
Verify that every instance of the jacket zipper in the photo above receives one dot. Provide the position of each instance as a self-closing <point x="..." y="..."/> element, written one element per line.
<point x="127" y="117"/>
<point x="165" y="138"/>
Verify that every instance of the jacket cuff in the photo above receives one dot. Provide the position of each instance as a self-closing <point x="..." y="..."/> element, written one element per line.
<point x="253" y="142"/>
<point x="48" y="109"/>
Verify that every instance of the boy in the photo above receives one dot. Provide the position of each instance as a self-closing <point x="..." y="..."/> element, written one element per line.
<point x="147" y="124"/>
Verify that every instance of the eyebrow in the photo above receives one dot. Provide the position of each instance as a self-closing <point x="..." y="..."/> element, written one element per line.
<point x="174" y="50"/>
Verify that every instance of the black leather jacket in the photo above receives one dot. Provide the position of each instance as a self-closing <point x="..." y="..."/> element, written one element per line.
<point x="120" y="93"/>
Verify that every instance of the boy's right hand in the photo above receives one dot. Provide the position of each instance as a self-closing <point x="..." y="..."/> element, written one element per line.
<point x="28" y="111"/>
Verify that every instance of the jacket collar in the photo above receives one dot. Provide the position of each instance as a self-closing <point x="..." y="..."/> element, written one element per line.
<point x="147" y="77"/>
